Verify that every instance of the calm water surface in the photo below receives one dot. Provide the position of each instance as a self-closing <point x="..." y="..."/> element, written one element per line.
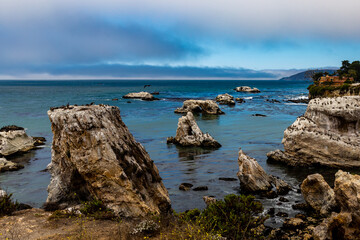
<point x="25" y="103"/>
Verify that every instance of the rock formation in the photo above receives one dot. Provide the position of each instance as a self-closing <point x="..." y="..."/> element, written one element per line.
<point x="200" y="106"/>
<point x="188" y="133"/>
<point x="318" y="194"/>
<point x="343" y="225"/>
<point x="225" y="99"/>
<point x="327" y="134"/>
<point x="94" y="156"/>
<point x="13" y="140"/>
<point x="141" y="95"/>
<point x="247" y="89"/>
<point x="254" y="179"/>
<point x="6" y="165"/>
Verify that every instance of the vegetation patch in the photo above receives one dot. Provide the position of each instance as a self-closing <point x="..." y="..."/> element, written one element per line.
<point x="7" y="205"/>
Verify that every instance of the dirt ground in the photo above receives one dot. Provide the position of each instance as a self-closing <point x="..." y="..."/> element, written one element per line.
<point x="34" y="224"/>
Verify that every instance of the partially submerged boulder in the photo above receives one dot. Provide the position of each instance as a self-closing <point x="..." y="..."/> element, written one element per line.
<point x="254" y="179"/>
<point x="225" y="99"/>
<point x="6" y="165"/>
<point x="247" y="89"/>
<point x="200" y="106"/>
<point x="318" y="194"/>
<point x="188" y="134"/>
<point x="13" y="139"/>
<point x="94" y="156"/>
<point x="327" y="135"/>
<point x="141" y="95"/>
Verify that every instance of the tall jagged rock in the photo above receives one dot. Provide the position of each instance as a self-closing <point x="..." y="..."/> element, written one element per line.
<point x="327" y="134"/>
<point x="318" y="194"/>
<point x="13" y="139"/>
<point x="200" y="106"/>
<point x="188" y="133"/>
<point x="253" y="177"/>
<point x="94" y="156"/>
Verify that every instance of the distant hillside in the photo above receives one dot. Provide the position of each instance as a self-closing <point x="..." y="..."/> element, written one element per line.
<point x="306" y="75"/>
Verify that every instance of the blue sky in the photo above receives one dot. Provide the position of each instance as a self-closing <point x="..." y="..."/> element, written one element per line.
<point x="162" y="38"/>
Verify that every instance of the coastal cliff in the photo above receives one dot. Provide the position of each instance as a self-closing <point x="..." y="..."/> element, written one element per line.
<point x="327" y="134"/>
<point x="94" y="156"/>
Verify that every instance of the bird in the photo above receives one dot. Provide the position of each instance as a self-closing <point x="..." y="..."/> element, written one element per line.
<point x="147" y="85"/>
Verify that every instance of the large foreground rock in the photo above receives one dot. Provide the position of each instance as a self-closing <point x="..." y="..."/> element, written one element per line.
<point x="318" y="194"/>
<point x="200" y="106"/>
<point x="343" y="225"/>
<point x="188" y="133"/>
<point x="254" y="179"/>
<point x="141" y="95"/>
<point x="95" y="156"/>
<point x="247" y="89"/>
<point x="327" y="134"/>
<point x="13" y="140"/>
<point x="225" y="99"/>
<point x="6" y="165"/>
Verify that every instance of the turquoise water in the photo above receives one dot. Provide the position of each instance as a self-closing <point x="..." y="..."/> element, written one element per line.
<point x="25" y="103"/>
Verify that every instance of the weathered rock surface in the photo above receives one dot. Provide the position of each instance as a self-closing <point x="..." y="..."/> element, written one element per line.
<point x="188" y="133"/>
<point x="141" y="95"/>
<point x="200" y="106"/>
<point x="347" y="192"/>
<point x="326" y="135"/>
<point x="95" y="156"/>
<point x="253" y="178"/>
<point x="225" y="99"/>
<point x="6" y="165"/>
<point x="318" y="194"/>
<point x="247" y="89"/>
<point x="13" y="140"/>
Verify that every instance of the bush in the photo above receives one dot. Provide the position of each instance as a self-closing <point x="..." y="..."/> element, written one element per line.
<point x="7" y="206"/>
<point x="235" y="217"/>
<point x="97" y="210"/>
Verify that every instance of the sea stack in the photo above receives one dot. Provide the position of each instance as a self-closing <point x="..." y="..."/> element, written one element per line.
<point x="94" y="156"/>
<point x="188" y="134"/>
<point x="327" y="135"/>
<point x="200" y="106"/>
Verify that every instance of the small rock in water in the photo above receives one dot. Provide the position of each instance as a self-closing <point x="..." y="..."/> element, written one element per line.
<point x="240" y="100"/>
<point x="227" y="179"/>
<point x="282" y="214"/>
<point x="115" y="99"/>
<point x="270" y="194"/>
<point x="128" y="102"/>
<point x="258" y="115"/>
<point x="201" y="188"/>
<point x="185" y="186"/>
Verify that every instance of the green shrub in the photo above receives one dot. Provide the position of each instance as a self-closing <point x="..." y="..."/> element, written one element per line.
<point x="235" y="217"/>
<point x="7" y="205"/>
<point x="97" y="210"/>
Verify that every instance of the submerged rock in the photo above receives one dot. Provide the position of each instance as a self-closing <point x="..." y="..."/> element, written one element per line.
<point x="327" y="135"/>
<point x="94" y="156"/>
<point x="200" y="106"/>
<point x="247" y="89"/>
<point x="141" y="95"/>
<point x="253" y="178"/>
<point x="318" y="194"/>
<point x="225" y="99"/>
<point x="240" y="100"/>
<point x="185" y="186"/>
<point x="13" y="139"/>
<point x="188" y="133"/>
<point x="6" y="165"/>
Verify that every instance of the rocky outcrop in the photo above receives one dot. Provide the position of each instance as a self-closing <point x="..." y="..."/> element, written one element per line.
<point x="339" y="225"/>
<point x="318" y="194"/>
<point x="200" y="106"/>
<point x="188" y="134"/>
<point x="327" y="134"/>
<point x="94" y="156"/>
<point x="225" y="99"/>
<point x="141" y="95"/>
<point x="13" y="140"/>
<point x="254" y="179"/>
<point x="247" y="89"/>
<point x="6" y="165"/>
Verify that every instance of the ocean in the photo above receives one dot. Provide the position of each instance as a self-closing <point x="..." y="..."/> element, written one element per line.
<point x="25" y="103"/>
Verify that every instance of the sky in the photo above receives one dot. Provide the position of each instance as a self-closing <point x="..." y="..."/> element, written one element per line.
<point x="258" y="39"/>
